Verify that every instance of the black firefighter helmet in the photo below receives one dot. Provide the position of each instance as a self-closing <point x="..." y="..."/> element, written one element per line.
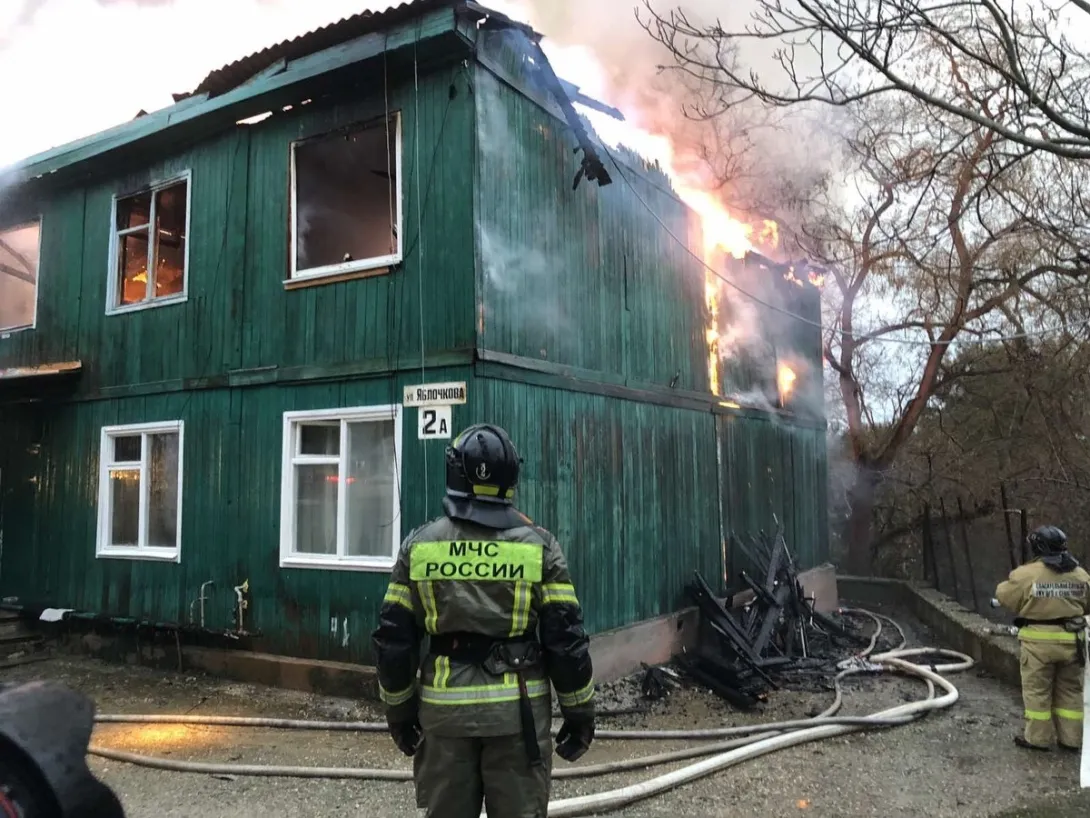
<point x="482" y="474"/>
<point x="1047" y="541"/>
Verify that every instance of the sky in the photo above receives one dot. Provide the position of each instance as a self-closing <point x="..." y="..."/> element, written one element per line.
<point x="75" y="67"/>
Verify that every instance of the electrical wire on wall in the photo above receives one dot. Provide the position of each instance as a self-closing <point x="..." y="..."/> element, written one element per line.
<point x="392" y="345"/>
<point x="395" y="286"/>
<point x="419" y="225"/>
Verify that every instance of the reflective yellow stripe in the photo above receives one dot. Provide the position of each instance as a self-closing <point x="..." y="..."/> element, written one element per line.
<point x="1031" y="634"/>
<point x="398" y="594"/>
<point x="475" y="561"/>
<point x="558" y="593"/>
<point x="492" y="491"/>
<point x="1038" y="715"/>
<point x="581" y="696"/>
<point x="442" y="671"/>
<point x="397" y="697"/>
<point x="1073" y="715"/>
<point x="520" y="611"/>
<point x="431" y="610"/>
<point x="482" y="694"/>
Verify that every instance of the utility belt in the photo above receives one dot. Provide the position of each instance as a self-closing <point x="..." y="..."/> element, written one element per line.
<point x="498" y="656"/>
<point x="1071" y="624"/>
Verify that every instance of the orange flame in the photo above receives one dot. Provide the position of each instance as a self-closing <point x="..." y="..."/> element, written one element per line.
<point x="722" y="232"/>
<point x="790" y="276"/>
<point x="711" y="299"/>
<point x="770" y="233"/>
<point x="817" y="279"/>
<point x="785" y="379"/>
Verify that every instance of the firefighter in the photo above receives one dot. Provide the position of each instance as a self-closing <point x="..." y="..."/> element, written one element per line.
<point x="492" y="593"/>
<point x="1048" y="596"/>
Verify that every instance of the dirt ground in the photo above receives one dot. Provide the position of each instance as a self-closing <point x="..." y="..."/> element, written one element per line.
<point x="960" y="762"/>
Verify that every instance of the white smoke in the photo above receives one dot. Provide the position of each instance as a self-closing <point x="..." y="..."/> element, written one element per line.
<point x="516" y="273"/>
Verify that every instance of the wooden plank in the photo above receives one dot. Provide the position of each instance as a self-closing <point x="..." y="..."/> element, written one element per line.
<point x="41" y="370"/>
<point x="263" y="376"/>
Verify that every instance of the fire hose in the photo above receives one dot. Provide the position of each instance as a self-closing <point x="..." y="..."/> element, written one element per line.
<point x="728" y="745"/>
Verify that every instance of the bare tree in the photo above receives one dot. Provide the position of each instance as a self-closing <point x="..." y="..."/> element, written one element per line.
<point x="1015" y="428"/>
<point x="839" y="52"/>
<point x="942" y="238"/>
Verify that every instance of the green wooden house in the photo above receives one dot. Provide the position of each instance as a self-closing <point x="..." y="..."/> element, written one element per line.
<point x="212" y="319"/>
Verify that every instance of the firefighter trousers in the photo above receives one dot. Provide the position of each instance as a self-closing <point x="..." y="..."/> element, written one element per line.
<point x="1052" y="681"/>
<point x="453" y="776"/>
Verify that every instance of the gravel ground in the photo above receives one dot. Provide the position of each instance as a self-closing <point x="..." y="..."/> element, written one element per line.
<point x="960" y="762"/>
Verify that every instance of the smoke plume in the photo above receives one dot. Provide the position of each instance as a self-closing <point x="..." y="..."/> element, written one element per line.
<point x="757" y="160"/>
<point x="519" y="278"/>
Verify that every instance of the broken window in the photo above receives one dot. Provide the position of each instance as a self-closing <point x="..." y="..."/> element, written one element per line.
<point x="139" y="497"/>
<point x="19" y="254"/>
<point x="149" y="243"/>
<point x="346" y="208"/>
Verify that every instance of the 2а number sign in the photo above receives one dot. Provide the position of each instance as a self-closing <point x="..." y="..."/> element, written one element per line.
<point x="433" y="423"/>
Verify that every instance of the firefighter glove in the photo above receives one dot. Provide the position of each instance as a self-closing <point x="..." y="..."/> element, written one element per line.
<point x="406" y="734"/>
<point x="574" y="738"/>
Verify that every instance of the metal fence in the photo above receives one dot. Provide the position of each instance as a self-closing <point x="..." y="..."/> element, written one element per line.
<point x="965" y="554"/>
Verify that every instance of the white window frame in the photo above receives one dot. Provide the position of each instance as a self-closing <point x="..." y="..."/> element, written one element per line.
<point x="289" y="558"/>
<point x="103" y="550"/>
<point x="113" y="305"/>
<point x="7" y="228"/>
<point x="360" y="265"/>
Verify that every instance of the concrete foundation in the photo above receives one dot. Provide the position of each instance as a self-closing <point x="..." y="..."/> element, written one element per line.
<point x="616" y="653"/>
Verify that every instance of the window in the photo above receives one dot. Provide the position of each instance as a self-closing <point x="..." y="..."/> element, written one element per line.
<point x="20" y="248"/>
<point x="148" y="248"/>
<point x="346" y="201"/>
<point x="140" y="496"/>
<point x="340" y="498"/>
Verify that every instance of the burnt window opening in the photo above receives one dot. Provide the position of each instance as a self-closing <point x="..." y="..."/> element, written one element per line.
<point x="149" y="256"/>
<point x="346" y="200"/>
<point x="20" y="249"/>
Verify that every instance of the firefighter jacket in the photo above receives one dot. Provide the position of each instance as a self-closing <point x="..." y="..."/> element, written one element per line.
<point x="456" y="577"/>
<point x="1043" y="596"/>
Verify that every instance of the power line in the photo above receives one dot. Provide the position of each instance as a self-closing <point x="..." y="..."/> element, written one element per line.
<point x="419" y="229"/>
<point x="807" y="321"/>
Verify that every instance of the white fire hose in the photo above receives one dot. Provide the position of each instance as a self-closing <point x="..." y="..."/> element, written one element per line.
<point x="741" y="743"/>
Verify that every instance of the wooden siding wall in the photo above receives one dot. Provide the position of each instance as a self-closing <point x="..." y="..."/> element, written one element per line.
<point x="628" y="488"/>
<point x="638" y="495"/>
<point x="633" y="491"/>
<point x="238" y="315"/>
<point x="585" y="278"/>
<point x="230" y="515"/>
<point x="773" y="471"/>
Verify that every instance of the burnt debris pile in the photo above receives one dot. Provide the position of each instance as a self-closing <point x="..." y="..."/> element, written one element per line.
<point x="767" y="635"/>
